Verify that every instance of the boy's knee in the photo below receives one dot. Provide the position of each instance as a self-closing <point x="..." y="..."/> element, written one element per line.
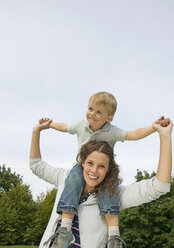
<point x="75" y="179"/>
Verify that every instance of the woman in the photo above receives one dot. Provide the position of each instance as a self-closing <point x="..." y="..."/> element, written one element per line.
<point x="93" y="229"/>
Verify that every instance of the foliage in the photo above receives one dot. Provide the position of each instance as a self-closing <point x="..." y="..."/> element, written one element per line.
<point x="22" y="220"/>
<point x="19" y="246"/>
<point x="140" y="176"/>
<point x="16" y="211"/>
<point x="151" y="224"/>
<point x="8" y="180"/>
<point x="36" y="228"/>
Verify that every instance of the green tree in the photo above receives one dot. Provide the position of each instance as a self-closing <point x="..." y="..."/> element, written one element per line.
<point x="16" y="212"/>
<point x="143" y="175"/>
<point x="22" y="220"/>
<point x="16" y="207"/>
<point x="151" y="224"/>
<point x="8" y="180"/>
<point x="36" y="228"/>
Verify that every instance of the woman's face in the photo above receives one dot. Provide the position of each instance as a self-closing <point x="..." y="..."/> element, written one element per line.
<point x="95" y="169"/>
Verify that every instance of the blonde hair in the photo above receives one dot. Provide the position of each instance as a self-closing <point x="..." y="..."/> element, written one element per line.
<point x="106" y="99"/>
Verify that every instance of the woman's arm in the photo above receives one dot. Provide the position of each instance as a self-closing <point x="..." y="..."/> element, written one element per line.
<point x="151" y="189"/>
<point x="165" y="158"/>
<point x="35" y="142"/>
<point x="40" y="168"/>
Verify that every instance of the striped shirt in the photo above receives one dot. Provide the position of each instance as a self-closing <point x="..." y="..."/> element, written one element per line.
<point x="75" y="226"/>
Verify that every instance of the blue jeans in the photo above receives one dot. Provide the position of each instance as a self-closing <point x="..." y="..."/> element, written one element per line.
<point x="74" y="185"/>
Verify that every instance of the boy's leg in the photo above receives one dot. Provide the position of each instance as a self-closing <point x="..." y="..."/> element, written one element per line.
<point x="113" y="231"/>
<point x="112" y="223"/>
<point x="109" y="207"/>
<point x="68" y="205"/>
<point x="67" y="219"/>
<point x="70" y="197"/>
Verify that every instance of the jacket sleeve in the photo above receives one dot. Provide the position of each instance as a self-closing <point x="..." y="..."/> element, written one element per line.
<point x="142" y="192"/>
<point x="48" y="173"/>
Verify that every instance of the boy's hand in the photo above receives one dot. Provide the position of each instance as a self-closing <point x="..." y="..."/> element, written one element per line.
<point x="163" y="122"/>
<point x="44" y="123"/>
<point x="48" y="123"/>
<point x="163" y="126"/>
<point x="44" y="120"/>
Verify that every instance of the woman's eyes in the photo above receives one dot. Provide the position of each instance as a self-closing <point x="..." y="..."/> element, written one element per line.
<point x="102" y="166"/>
<point x="90" y="163"/>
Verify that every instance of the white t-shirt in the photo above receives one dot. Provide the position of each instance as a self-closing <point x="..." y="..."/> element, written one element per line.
<point x="108" y="133"/>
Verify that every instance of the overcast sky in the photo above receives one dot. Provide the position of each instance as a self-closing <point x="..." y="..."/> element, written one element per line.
<point x="54" y="54"/>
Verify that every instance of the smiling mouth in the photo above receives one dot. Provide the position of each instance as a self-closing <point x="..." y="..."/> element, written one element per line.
<point x="92" y="177"/>
<point x="92" y="119"/>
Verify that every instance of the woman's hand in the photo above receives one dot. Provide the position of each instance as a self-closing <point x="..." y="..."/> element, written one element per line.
<point x="44" y="123"/>
<point x="163" y="126"/>
<point x="35" y="146"/>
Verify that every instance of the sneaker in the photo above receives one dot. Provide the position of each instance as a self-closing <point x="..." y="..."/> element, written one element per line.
<point x="63" y="238"/>
<point x="115" y="242"/>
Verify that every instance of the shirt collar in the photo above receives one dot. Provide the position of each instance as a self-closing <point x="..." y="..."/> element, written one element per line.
<point x="106" y="127"/>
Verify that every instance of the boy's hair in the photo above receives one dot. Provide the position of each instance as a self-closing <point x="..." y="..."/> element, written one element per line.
<point x="111" y="180"/>
<point x="106" y="99"/>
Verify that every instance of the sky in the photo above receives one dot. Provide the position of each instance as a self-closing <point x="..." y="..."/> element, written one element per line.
<point x="55" y="54"/>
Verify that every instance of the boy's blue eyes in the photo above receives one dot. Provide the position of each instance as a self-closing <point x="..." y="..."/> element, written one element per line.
<point x="98" y="112"/>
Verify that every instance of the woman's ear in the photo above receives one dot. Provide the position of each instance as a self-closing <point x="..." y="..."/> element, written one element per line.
<point x="83" y="164"/>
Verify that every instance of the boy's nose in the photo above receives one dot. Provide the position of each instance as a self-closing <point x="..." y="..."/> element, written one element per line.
<point x="93" y="113"/>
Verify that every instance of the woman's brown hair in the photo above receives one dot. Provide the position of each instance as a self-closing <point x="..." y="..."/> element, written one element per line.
<point x="111" y="180"/>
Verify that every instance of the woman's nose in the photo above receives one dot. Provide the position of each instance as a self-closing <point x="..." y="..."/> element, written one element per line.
<point x="94" y="169"/>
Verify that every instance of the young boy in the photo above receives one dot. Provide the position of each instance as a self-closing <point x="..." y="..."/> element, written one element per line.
<point x="101" y="109"/>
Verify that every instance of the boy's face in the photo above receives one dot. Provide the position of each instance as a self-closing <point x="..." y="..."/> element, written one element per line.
<point x="97" y="115"/>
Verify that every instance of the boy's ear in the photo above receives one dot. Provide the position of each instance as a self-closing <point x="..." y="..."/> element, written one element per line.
<point x="110" y="118"/>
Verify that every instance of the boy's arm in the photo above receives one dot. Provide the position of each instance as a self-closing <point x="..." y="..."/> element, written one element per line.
<point x="139" y="133"/>
<point x="62" y="127"/>
<point x="146" y="131"/>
